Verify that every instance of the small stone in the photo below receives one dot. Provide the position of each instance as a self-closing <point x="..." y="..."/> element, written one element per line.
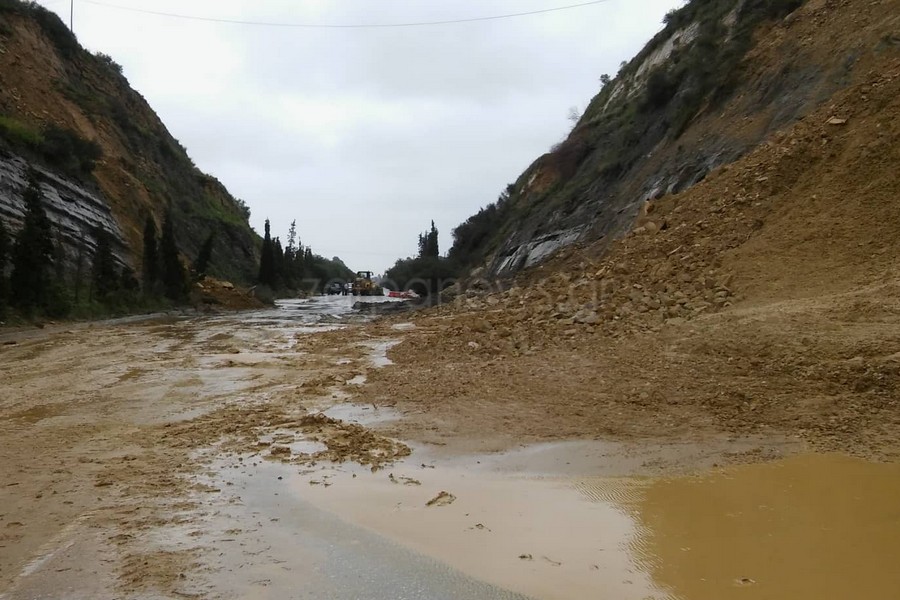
<point x="587" y="317"/>
<point x="480" y="326"/>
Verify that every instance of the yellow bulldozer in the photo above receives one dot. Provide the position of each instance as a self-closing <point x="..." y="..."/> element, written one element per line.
<point x="364" y="286"/>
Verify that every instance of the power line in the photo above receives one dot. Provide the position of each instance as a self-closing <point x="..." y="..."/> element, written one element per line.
<point x="338" y="25"/>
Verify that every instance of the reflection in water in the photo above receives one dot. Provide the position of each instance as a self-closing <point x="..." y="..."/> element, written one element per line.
<point x="811" y="527"/>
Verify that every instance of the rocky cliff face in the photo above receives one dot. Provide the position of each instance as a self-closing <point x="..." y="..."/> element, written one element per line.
<point x="74" y="211"/>
<point x="49" y="84"/>
<point x="720" y="78"/>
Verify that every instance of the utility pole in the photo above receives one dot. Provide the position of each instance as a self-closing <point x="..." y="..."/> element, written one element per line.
<point x="71" y="15"/>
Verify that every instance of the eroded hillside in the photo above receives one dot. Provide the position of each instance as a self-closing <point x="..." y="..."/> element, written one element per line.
<point x="717" y="81"/>
<point x="51" y="89"/>
<point x="762" y="301"/>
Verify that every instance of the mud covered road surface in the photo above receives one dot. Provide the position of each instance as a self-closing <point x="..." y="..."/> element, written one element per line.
<point x="225" y="457"/>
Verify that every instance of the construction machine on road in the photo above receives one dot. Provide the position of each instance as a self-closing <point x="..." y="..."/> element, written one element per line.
<point x="364" y="286"/>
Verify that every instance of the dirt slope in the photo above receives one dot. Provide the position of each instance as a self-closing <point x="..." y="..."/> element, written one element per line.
<point x="48" y="79"/>
<point x="708" y="111"/>
<point x="762" y="301"/>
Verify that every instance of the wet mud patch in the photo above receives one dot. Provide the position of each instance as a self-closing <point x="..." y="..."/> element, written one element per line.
<point x="35" y="414"/>
<point x="342" y="442"/>
<point x="159" y="571"/>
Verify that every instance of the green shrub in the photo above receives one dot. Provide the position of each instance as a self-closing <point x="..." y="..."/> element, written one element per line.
<point x="69" y="152"/>
<point x="661" y="87"/>
<point x="107" y="61"/>
<point x="59" y="148"/>
<point x="19" y="134"/>
<point x="425" y="276"/>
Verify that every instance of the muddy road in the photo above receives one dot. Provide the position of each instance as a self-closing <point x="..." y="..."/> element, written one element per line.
<point x="225" y="457"/>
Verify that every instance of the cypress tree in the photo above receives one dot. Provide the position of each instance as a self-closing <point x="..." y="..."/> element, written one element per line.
<point x="431" y="248"/>
<point x="293" y="259"/>
<point x="201" y="265"/>
<point x="79" y="270"/>
<point x="267" y="260"/>
<point x="423" y="245"/>
<point x="33" y="253"/>
<point x="104" y="278"/>
<point x="4" y="254"/>
<point x="291" y="249"/>
<point x="127" y="281"/>
<point x="174" y="278"/>
<point x="428" y="243"/>
<point x="278" y="261"/>
<point x="150" y="263"/>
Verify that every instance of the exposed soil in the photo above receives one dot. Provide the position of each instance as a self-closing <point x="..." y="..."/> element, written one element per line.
<point x="212" y="294"/>
<point x="763" y="301"/>
<point x="102" y="428"/>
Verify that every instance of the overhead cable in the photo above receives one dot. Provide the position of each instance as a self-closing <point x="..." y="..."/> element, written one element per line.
<point x="339" y="25"/>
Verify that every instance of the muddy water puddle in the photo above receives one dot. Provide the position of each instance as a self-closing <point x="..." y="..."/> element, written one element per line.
<point x="271" y="543"/>
<point x="814" y="526"/>
<point x="810" y="527"/>
<point x="537" y="537"/>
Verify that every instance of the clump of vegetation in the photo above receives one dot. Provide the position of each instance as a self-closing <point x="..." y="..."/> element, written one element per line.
<point x="19" y="134"/>
<point x="472" y="238"/>
<point x="69" y="152"/>
<point x="286" y="270"/>
<point x="107" y="61"/>
<point x="59" y="148"/>
<point x="426" y="274"/>
<point x="201" y="265"/>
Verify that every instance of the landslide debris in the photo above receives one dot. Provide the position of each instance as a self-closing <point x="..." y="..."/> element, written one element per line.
<point x="718" y="80"/>
<point x="764" y="301"/>
<point x="215" y="294"/>
<point x="343" y="442"/>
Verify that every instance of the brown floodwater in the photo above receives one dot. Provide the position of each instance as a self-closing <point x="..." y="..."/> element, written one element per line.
<point x="814" y="527"/>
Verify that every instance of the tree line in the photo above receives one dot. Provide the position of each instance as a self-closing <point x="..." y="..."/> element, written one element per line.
<point x="285" y="269"/>
<point x="428" y="272"/>
<point x="38" y="280"/>
<point x="473" y="240"/>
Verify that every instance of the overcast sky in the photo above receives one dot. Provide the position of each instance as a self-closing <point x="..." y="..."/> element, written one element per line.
<point x="366" y="135"/>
